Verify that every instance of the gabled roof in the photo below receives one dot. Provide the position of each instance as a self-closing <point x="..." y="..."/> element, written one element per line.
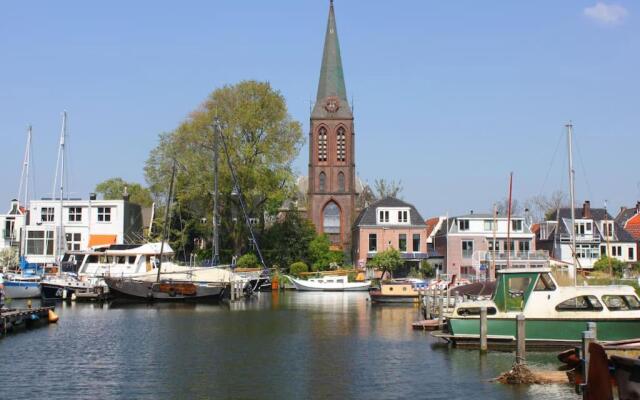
<point x="597" y="215"/>
<point x="368" y="216"/>
<point x="331" y="83"/>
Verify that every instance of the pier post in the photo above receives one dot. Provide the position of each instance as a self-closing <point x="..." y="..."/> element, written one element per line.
<point x="448" y="299"/>
<point x="483" y="329"/>
<point x="520" y="338"/>
<point x="593" y="327"/>
<point x="440" y="313"/>
<point x="588" y="337"/>
<point x="427" y="305"/>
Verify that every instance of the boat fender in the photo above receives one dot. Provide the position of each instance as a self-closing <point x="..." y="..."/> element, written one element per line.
<point x="64" y="293"/>
<point x="53" y="317"/>
<point x="73" y="296"/>
<point x="150" y="295"/>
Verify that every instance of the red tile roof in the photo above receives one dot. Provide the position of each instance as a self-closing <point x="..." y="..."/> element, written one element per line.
<point x="431" y="224"/>
<point x="633" y="226"/>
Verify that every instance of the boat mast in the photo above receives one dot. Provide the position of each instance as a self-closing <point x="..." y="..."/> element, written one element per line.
<point x="215" y="254"/>
<point x="569" y="127"/>
<point x="509" y="221"/>
<point x="61" y="170"/>
<point x="24" y="176"/>
<point x="165" y="228"/>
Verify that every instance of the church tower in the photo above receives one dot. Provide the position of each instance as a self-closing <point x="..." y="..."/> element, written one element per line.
<point x="332" y="189"/>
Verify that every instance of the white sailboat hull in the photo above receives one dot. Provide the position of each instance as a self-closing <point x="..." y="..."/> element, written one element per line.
<point x="303" y="285"/>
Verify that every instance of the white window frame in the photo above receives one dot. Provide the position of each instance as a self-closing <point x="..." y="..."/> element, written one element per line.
<point x="77" y="214"/>
<point x="104" y="214"/>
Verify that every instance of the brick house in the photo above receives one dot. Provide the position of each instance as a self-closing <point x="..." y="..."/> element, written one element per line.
<point x="629" y="220"/>
<point x="391" y="223"/>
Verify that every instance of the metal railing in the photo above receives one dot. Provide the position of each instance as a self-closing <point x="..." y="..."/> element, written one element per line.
<point x="566" y="238"/>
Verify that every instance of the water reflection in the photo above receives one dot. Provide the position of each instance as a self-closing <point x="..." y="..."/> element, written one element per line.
<point x="276" y="345"/>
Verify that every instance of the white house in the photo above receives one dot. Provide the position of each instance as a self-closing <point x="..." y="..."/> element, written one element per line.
<point x="85" y="224"/>
<point x="597" y="234"/>
<point x="11" y="225"/>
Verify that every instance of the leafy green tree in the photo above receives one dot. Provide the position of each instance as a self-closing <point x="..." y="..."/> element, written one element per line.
<point x="321" y="255"/>
<point x="288" y="240"/>
<point x="426" y="269"/>
<point x="8" y="259"/>
<point x="114" y="188"/>
<point x="298" y="267"/>
<point x="387" y="260"/>
<point x="261" y="140"/>
<point x="248" y="260"/>
<point x="605" y="263"/>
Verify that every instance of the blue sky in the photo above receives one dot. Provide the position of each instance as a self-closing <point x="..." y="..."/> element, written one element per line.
<point x="450" y="96"/>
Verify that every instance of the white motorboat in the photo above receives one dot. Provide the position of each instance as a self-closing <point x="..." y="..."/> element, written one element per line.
<point x="330" y="283"/>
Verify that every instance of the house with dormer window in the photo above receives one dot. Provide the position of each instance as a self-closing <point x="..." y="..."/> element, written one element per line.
<point x="629" y="220"/>
<point x="597" y="234"/>
<point x="391" y="223"/>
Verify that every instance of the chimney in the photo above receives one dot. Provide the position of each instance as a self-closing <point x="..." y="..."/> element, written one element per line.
<point x="92" y="196"/>
<point x="586" y="210"/>
<point x="638" y="207"/>
<point x="125" y="194"/>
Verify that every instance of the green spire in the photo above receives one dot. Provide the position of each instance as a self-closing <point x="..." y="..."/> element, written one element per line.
<point x="331" y="74"/>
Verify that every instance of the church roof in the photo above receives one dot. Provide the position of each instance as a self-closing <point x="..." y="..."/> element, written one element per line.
<point x="331" y="83"/>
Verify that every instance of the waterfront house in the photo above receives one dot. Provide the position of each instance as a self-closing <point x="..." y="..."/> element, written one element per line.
<point x="391" y="223"/>
<point x="597" y="234"/>
<point x="85" y="224"/>
<point x="11" y="224"/>
<point x="473" y="244"/>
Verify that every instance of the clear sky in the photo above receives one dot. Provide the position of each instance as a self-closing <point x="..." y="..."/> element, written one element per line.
<point x="450" y="96"/>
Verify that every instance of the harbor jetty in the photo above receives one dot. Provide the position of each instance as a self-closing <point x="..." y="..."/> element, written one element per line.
<point x="11" y="319"/>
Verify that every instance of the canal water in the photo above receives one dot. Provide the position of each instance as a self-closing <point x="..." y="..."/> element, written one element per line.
<point x="276" y="346"/>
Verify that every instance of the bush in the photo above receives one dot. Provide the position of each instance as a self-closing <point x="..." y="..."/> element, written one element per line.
<point x="298" y="267"/>
<point x="616" y="265"/>
<point x="427" y="269"/>
<point x="248" y="260"/>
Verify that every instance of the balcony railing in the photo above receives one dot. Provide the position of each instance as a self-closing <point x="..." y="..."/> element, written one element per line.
<point x="406" y="255"/>
<point x="519" y="257"/>
<point x="566" y="238"/>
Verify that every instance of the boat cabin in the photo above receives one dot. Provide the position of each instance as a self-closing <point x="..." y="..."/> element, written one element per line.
<point x="120" y="259"/>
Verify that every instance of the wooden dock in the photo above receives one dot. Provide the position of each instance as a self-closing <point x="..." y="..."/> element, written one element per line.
<point x="10" y="319"/>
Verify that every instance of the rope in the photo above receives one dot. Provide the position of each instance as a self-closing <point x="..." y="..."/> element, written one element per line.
<point x="553" y="158"/>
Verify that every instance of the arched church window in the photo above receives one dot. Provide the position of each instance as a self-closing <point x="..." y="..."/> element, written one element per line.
<point x="322" y="144"/>
<point x="342" y="147"/>
<point x="341" y="181"/>
<point x="322" y="180"/>
<point x="331" y="221"/>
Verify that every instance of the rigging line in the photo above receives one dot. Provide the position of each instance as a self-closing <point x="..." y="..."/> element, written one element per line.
<point x="584" y="170"/>
<point x="240" y="196"/>
<point x="553" y="158"/>
<point x="182" y="233"/>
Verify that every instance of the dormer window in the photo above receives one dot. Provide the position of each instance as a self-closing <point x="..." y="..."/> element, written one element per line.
<point x="403" y="216"/>
<point x="463" y="224"/>
<point x="383" y="216"/>
<point x="607" y="229"/>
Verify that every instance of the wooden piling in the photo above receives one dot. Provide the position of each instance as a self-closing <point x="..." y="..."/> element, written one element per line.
<point x="520" y="338"/>
<point x="483" y="329"/>
<point x="593" y="327"/>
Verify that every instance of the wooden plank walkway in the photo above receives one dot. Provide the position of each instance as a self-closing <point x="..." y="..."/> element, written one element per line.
<point x="26" y="317"/>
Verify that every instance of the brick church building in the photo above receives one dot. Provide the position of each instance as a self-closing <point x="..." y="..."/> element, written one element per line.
<point x="331" y="191"/>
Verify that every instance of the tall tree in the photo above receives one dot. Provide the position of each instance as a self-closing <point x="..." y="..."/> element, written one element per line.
<point x="114" y="189"/>
<point x="384" y="188"/>
<point x="261" y="140"/>
<point x="287" y="241"/>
